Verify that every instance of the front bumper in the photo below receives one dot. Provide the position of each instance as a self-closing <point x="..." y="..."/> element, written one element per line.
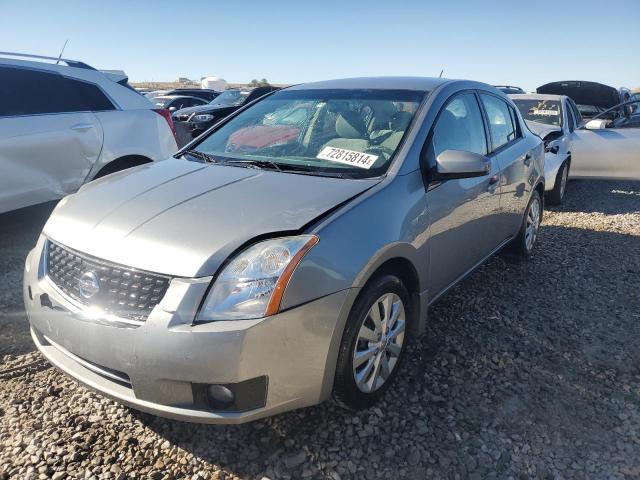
<point x="154" y="367"/>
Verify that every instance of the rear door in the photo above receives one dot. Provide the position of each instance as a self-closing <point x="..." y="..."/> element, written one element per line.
<point x="49" y="138"/>
<point x="516" y="160"/>
<point x="608" y="153"/>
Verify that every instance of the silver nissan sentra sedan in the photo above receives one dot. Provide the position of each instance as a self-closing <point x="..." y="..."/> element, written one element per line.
<point x="287" y="255"/>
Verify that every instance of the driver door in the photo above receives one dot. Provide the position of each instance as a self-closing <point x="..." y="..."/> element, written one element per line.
<point x="465" y="213"/>
<point x="608" y="153"/>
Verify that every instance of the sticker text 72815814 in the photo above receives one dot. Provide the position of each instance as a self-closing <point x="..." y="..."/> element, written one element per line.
<point x="347" y="157"/>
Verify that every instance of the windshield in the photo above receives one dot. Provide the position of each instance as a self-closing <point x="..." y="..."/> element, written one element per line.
<point x="230" y="98"/>
<point x="161" y="102"/>
<point x="548" y="112"/>
<point x="347" y="133"/>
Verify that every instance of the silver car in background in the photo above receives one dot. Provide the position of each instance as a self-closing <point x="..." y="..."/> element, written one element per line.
<point x="289" y="254"/>
<point x="606" y="147"/>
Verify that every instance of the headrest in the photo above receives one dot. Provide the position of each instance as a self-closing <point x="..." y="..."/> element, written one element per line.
<point x="400" y="121"/>
<point x="350" y="125"/>
<point x="382" y="113"/>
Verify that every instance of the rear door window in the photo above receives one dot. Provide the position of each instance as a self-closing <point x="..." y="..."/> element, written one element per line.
<point x="500" y="122"/>
<point x="31" y="92"/>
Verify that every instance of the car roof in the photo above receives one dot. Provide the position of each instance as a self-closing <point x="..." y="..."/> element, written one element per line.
<point x="193" y="89"/>
<point x="173" y="97"/>
<point x="536" y="96"/>
<point x="376" y="83"/>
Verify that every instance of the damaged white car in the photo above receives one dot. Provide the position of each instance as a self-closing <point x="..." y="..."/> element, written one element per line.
<point x="606" y="147"/>
<point x="552" y="118"/>
<point x="64" y="123"/>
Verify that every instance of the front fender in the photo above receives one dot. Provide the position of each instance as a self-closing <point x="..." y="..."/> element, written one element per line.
<point x="388" y="221"/>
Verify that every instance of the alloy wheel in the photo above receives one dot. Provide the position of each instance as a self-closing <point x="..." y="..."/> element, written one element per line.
<point x="379" y="343"/>
<point x="533" y="224"/>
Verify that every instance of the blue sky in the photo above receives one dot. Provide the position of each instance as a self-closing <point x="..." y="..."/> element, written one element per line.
<point x="514" y="42"/>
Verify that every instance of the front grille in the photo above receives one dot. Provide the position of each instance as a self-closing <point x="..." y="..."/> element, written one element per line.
<point x="121" y="291"/>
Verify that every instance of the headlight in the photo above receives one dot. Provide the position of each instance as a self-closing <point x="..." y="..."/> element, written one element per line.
<point x="202" y="117"/>
<point x="252" y="284"/>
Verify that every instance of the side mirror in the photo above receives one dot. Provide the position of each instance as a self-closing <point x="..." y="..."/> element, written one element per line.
<point x="597" y="124"/>
<point x="172" y="109"/>
<point x="452" y="164"/>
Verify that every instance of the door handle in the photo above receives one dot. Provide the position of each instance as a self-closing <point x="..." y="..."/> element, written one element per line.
<point x="527" y="159"/>
<point x="82" y="127"/>
<point x="493" y="184"/>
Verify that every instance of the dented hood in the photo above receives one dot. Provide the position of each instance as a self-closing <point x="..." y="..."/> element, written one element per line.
<point x="184" y="218"/>
<point x="541" y="129"/>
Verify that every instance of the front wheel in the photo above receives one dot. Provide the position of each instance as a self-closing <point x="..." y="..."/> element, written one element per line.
<point x="556" y="195"/>
<point x="373" y="344"/>
<point x="525" y="241"/>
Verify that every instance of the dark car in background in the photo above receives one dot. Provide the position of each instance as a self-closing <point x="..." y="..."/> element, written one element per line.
<point x="203" y="93"/>
<point x="510" y="89"/>
<point x="191" y="122"/>
<point x="174" y="103"/>
<point x="592" y="98"/>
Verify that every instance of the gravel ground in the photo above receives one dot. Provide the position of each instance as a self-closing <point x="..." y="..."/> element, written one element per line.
<point x="19" y="232"/>
<point x="529" y="370"/>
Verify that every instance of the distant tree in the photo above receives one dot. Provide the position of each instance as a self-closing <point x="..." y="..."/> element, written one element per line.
<point x="254" y="83"/>
<point x="264" y="83"/>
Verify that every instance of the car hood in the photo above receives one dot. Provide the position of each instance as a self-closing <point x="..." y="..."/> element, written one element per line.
<point x="184" y="218"/>
<point x="584" y="93"/>
<point x="199" y="109"/>
<point x="541" y="129"/>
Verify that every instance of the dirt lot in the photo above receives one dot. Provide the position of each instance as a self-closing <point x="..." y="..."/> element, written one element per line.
<point x="529" y="370"/>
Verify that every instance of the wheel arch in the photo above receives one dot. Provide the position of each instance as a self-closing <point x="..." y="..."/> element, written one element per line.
<point x="121" y="163"/>
<point x="399" y="260"/>
<point x="402" y="268"/>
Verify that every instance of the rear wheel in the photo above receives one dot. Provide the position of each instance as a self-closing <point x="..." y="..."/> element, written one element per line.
<point x="556" y="196"/>
<point x="373" y="343"/>
<point x="525" y="241"/>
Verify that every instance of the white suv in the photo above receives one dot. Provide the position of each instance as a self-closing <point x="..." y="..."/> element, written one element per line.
<point x="64" y="125"/>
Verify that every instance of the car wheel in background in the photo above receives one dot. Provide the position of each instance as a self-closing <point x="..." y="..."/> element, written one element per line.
<point x="556" y="195"/>
<point x="373" y="343"/>
<point x="524" y="243"/>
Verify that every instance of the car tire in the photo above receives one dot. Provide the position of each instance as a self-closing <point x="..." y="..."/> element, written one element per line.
<point x="373" y="345"/>
<point x="556" y="196"/>
<point x="525" y="241"/>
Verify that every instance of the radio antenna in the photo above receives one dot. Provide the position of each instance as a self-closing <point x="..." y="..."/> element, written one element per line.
<point x="61" y="51"/>
<point x="441" y="72"/>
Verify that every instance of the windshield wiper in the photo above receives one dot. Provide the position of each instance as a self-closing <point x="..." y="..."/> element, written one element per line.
<point x="298" y="169"/>
<point x="256" y="163"/>
<point x="201" y="156"/>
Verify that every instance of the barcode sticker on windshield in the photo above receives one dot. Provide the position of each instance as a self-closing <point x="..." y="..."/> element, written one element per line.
<point x="546" y="113"/>
<point x="348" y="157"/>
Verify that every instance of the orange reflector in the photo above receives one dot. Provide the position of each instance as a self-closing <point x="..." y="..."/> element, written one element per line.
<point x="281" y="285"/>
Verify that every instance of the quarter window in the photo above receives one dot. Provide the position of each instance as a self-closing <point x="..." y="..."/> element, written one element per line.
<point x="460" y="127"/>
<point x="501" y="125"/>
